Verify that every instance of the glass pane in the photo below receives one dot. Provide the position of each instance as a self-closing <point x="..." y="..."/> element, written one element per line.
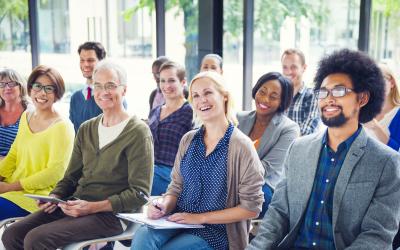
<point x="64" y="25"/>
<point x="233" y="49"/>
<point x="14" y="36"/>
<point x="306" y="25"/>
<point x="385" y="32"/>
<point x="181" y="28"/>
<point x="54" y="26"/>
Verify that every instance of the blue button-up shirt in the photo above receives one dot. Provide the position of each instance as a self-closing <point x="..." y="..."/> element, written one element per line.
<point x="316" y="231"/>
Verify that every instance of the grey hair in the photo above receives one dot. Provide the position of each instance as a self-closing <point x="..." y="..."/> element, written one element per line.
<point x="111" y="65"/>
<point x="15" y="77"/>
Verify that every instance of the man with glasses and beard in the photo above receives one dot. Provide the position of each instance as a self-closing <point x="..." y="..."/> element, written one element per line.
<point x="342" y="188"/>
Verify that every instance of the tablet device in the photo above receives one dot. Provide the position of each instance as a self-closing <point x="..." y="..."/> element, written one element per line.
<point x="44" y="198"/>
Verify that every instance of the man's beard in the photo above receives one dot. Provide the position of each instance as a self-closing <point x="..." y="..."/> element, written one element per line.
<point x="336" y="121"/>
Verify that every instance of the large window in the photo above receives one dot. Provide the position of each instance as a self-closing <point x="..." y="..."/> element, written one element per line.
<point x="128" y="39"/>
<point x="54" y="26"/>
<point x="14" y="36"/>
<point x="385" y="32"/>
<point x="127" y="30"/>
<point x="233" y="49"/>
<point x="302" y="25"/>
<point x="181" y="29"/>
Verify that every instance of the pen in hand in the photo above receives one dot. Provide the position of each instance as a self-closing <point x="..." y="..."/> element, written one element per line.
<point x="153" y="202"/>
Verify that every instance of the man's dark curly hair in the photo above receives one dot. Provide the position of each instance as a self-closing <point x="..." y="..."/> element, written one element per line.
<point x="364" y="74"/>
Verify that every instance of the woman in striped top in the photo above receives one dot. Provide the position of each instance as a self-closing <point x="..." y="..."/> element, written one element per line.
<point x="13" y="101"/>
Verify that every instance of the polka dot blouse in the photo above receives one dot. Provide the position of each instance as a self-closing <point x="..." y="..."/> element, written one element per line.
<point x="205" y="185"/>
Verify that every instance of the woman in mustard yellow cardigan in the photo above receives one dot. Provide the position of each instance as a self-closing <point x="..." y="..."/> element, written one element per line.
<point x="40" y="153"/>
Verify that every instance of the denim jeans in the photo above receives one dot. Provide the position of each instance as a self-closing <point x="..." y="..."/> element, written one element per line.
<point x="10" y="210"/>
<point x="161" y="179"/>
<point x="167" y="239"/>
<point x="268" y="192"/>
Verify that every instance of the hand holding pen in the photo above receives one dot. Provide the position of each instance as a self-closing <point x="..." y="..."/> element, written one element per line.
<point x="156" y="209"/>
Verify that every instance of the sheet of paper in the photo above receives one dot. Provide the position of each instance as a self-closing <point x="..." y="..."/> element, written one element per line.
<point x="161" y="223"/>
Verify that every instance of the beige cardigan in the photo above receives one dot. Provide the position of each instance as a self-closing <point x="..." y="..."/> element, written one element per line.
<point x="245" y="180"/>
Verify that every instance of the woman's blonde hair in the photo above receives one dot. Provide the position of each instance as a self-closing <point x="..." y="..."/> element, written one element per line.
<point x="394" y="94"/>
<point x="220" y="85"/>
<point x="13" y="75"/>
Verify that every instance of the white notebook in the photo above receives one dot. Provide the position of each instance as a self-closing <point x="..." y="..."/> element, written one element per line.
<point x="161" y="223"/>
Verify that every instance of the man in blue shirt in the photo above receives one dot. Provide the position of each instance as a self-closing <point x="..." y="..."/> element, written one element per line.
<point x="342" y="188"/>
<point x="82" y="105"/>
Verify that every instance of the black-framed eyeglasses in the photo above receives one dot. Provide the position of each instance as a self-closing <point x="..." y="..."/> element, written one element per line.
<point x="338" y="91"/>
<point x="48" y="89"/>
<point x="11" y="84"/>
<point x="109" y="86"/>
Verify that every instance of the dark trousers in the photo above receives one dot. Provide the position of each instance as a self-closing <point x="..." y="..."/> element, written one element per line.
<point x="51" y="231"/>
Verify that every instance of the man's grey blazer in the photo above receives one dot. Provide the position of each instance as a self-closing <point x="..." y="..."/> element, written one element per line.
<point x="366" y="199"/>
<point x="274" y="142"/>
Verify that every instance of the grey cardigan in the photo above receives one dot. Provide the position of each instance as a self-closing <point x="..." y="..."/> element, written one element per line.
<point x="274" y="143"/>
<point x="244" y="180"/>
<point x="366" y="198"/>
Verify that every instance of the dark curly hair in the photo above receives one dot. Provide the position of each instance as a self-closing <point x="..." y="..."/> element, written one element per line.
<point x="364" y="74"/>
<point x="286" y="86"/>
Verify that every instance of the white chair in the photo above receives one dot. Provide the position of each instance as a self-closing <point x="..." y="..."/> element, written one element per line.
<point x="4" y="223"/>
<point x="126" y="235"/>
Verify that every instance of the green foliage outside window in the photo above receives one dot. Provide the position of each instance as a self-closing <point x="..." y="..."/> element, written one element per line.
<point x="385" y="35"/>
<point x="16" y="13"/>
<point x="268" y="18"/>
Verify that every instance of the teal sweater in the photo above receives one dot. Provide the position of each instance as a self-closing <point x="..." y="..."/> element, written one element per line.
<point x="117" y="172"/>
